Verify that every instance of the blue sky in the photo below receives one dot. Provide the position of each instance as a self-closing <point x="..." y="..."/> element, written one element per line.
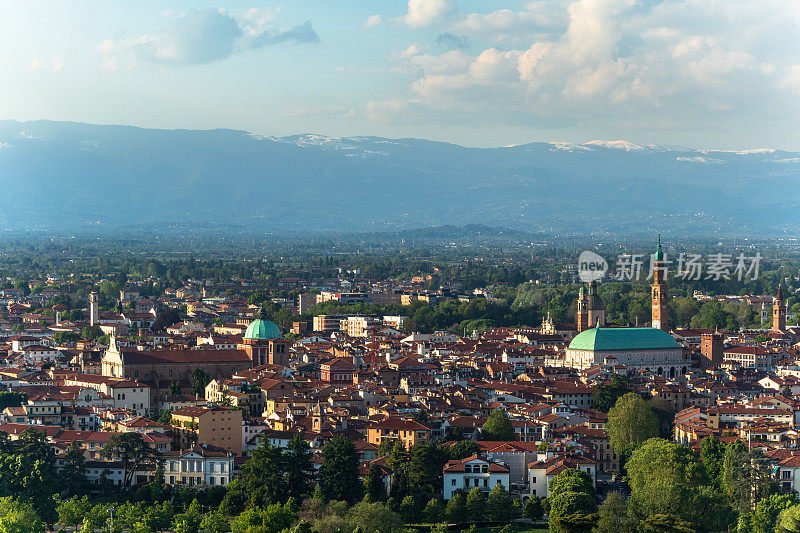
<point x="700" y="73"/>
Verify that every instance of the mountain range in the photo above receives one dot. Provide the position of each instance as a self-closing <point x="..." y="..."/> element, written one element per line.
<point x="71" y="176"/>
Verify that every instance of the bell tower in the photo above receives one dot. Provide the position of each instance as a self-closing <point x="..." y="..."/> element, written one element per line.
<point x="583" y="311"/>
<point x="779" y="312"/>
<point x="658" y="291"/>
<point x="596" y="307"/>
<point x="94" y="310"/>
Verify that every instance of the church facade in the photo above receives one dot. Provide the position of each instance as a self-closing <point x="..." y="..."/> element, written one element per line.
<point x="262" y="343"/>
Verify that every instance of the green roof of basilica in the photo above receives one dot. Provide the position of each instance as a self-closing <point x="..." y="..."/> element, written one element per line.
<point x="605" y="339"/>
<point x="262" y="329"/>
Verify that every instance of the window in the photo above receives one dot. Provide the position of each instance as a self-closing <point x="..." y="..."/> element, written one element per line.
<point x="453" y="482"/>
<point x="533" y="480"/>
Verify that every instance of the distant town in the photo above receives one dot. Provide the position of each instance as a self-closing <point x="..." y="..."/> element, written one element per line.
<point x="416" y="393"/>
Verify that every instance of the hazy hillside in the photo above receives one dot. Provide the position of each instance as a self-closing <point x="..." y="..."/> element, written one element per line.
<point x="68" y="175"/>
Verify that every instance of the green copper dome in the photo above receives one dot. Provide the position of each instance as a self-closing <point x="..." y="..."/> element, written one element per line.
<point x="262" y="329"/>
<point x="604" y="339"/>
<point x="659" y="255"/>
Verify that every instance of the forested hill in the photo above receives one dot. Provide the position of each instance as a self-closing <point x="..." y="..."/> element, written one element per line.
<point x="70" y="175"/>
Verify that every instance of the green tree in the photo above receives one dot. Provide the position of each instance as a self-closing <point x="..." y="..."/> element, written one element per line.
<point x="497" y="427"/>
<point x="456" y="509"/>
<point x="768" y="509"/>
<point x="788" y="520"/>
<point x="664" y="475"/>
<point x="613" y="515"/>
<point x="12" y="399"/>
<point x="27" y="472"/>
<point x="374" y="517"/>
<point x="188" y="522"/>
<point x="533" y="509"/>
<point x="19" y="517"/>
<point x="571" y="479"/>
<point x="200" y="379"/>
<point x="410" y="509"/>
<point x="499" y="504"/>
<point x="434" y="511"/>
<point x="476" y="504"/>
<point x="666" y="523"/>
<point x="132" y="451"/>
<point x="162" y="516"/>
<point x="71" y="512"/>
<point x="375" y="487"/>
<point x="712" y="453"/>
<point x="261" y="481"/>
<point x="299" y="468"/>
<point x="607" y="394"/>
<point x="566" y="504"/>
<point x="398" y="459"/>
<point x="464" y="449"/>
<point x="425" y="466"/>
<point x="630" y="422"/>
<point x="439" y="528"/>
<point x="72" y="476"/>
<point x="746" y="476"/>
<point x="272" y="519"/>
<point x="338" y="475"/>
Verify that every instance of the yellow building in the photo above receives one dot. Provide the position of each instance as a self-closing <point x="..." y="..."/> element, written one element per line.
<point x="410" y="432"/>
<point x="218" y="426"/>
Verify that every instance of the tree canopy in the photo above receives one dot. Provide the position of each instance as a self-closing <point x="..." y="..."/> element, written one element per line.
<point x="630" y="422"/>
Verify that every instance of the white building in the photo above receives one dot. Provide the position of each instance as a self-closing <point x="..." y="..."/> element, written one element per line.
<point x="548" y="465"/>
<point x="475" y="471"/>
<point x="203" y="465"/>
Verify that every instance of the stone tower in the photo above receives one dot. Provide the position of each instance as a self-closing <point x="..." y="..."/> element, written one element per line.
<point x="779" y="312"/>
<point x="94" y="309"/>
<point x="711" y="347"/>
<point x="658" y="291"/>
<point x="583" y="311"/>
<point x="596" y="307"/>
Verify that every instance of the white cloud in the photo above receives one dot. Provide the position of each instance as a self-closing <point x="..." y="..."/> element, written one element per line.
<point x="636" y="61"/>
<point x="56" y="63"/>
<point x="204" y="36"/>
<point x="422" y="13"/>
<point x="373" y="21"/>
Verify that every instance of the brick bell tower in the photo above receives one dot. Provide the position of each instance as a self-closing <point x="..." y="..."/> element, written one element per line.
<point x="779" y="312"/>
<point x="658" y="291"/>
<point x="583" y="311"/>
